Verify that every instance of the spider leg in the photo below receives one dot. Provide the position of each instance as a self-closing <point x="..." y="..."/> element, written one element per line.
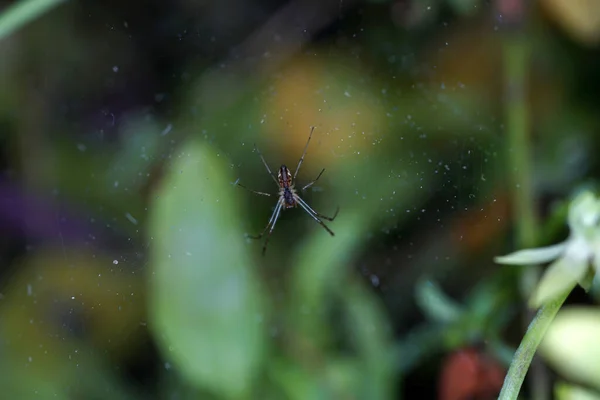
<point x="325" y="217"/>
<point x="313" y="182"/>
<point x="271" y="225"/>
<point x="265" y="163"/>
<point x="254" y="191"/>
<point x="313" y="214"/>
<point x="337" y="210"/>
<point x="312" y="128"/>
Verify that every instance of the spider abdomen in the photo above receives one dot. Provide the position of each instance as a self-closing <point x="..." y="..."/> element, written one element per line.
<point x="288" y="198"/>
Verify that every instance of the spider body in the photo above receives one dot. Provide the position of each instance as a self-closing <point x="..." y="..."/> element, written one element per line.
<point x="288" y="197"/>
<point x="286" y="187"/>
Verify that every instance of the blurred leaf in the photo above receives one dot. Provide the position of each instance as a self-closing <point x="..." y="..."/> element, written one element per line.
<point x="297" y="383"/>
<point x="365" y="374"/>
<point x="420" y="343"/>
<point x="206" y="307"/>
<point x="60" y="315"/>
<point x="568" y="391"/>
<point x="485" y="312"/>
<point x="533" y="256"/>
<point x="322" y="267"/>
<point x="322" y="262"/>
<point x="435" y="304"/>
<point x="559" y="277"/>
<point x="173" y="385"/>
<point x="23" y="12"/>
<point x="579" y="18"/>
<point x="346" y="377"/>
<point x="141" y="143"/>
<point x="372" y="336"/>
<point x="84" y="176"/>
<point x="571" y="345"/>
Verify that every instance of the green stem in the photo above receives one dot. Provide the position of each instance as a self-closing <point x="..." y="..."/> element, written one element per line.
<point x="516" y="59"/>
<point x="522" y="358"/>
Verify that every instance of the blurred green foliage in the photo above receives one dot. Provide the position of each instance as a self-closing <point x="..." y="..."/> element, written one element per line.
<point x="207" y="308"/>
<point x="570" y="345"/>
<point x="211" y="316"/>
<point x="409" y="128"/>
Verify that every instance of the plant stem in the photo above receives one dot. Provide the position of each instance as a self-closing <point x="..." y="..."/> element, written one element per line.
<point x="516" y="59"/>
<point x="516" y="55"/>
<point x="522" y="358"/>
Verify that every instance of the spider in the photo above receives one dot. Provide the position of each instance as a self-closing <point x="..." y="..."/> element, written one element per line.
<point x="288" y="197"/>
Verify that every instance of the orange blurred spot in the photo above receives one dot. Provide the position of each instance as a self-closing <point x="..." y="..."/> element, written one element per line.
<point x="328" y="93"/>
<point x="469" y="58"/>
<point x="477" y="228"/>
<point x="469" y="374"/>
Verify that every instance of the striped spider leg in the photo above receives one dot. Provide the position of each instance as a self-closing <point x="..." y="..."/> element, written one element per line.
<point x="288" y="196"/>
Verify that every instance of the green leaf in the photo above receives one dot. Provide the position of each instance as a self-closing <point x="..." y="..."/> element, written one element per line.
<point x="435" y="303"/>
<point x="323" y="261"/>
<point x="206" y="308"/>
<point x="371" y="334"/>
<point x="140" y="147"/>
<point x="571" y="345"/>
<point x="559" y="277"/>
<point x="533" y="256"/>
<point x="296" y="382"/>
<point x="418" y="345"/>
<point x="569" y="391"/>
